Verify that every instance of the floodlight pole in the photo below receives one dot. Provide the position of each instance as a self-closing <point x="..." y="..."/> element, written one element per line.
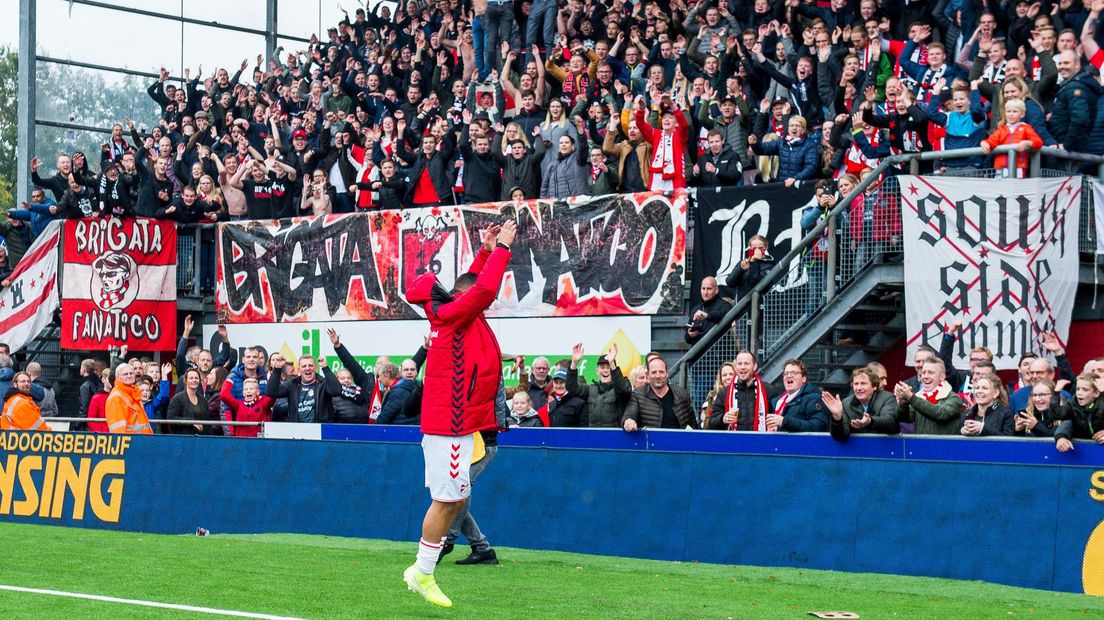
<point x="270" y="28"/>
<point x="25" y="105"/>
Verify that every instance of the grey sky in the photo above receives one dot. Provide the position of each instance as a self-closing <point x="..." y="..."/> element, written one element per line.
<point x="117" y="38"/>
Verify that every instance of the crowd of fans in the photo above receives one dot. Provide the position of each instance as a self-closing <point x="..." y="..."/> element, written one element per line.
<point x="448" y="102"/>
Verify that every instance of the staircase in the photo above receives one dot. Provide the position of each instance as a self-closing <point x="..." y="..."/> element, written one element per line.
<point x="868" y="311"/>
<point x="61" y="368"/>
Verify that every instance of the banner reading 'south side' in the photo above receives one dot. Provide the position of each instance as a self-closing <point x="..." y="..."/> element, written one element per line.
<point x="998" y="255"/>
<point x="608" y="255"/>
<point x="119" y="284"/>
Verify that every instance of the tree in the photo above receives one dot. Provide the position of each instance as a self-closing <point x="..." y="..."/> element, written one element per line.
<point x="9" y="125"/>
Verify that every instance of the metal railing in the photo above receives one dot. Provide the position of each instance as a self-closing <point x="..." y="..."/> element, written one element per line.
<point x="162" y="422"/>
<point x="195" y="258"/>
<point x="811" y="273"/>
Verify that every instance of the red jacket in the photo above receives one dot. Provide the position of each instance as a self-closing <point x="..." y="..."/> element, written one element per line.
<point x="464" y="363"/>
<point x="97" y="409"/>
<point x="259" y="410"/>
<point x="678" y="145"/>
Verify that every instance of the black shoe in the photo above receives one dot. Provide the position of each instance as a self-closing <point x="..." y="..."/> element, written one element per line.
<point x="445" y="550"/>
<point x="480" y="557"/>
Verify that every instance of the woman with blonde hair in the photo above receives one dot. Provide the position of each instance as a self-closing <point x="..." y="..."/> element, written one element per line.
<point x="513" y="131"/>
<point x="720" y="386"/>
<point x="554" y="127"/>
<point x="990" y="415"/>
<point x="1045" y="411"/>
<point x="1034" y="115"/>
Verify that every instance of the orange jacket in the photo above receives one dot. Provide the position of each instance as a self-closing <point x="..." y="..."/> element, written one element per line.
<point x="1016" y="135"/>
<point x="124" y="411"/>
<point x="22" y="414"/>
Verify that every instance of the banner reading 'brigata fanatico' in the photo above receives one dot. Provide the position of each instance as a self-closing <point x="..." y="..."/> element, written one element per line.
<point x="119" y="284"/>
<point x="607" y="255"/>
<point x="998" y="255"/>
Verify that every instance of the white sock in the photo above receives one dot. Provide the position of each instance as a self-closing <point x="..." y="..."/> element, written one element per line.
<point x="427" y="556"/>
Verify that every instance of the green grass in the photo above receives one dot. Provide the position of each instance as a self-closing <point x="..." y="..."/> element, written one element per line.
<point x="322" y="577"/>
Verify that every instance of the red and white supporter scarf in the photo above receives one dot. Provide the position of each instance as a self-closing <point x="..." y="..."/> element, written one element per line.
<point x="762" y="407"/>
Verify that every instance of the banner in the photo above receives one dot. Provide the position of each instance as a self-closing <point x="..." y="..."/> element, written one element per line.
<point x="1098" y="210"/>
<point x="610" y="255"/>
<point x="998" y="255"/>
<point x="537" y="337"/>
<point x="28" y="302"/>
<point x="725" y="218"/>
<point x="119" y="284"/>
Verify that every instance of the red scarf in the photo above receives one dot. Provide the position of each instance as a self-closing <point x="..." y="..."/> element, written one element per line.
<point x="762" y="407"/>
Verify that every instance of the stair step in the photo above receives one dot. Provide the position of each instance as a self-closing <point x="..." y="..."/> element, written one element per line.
<point x="859" y="327"/>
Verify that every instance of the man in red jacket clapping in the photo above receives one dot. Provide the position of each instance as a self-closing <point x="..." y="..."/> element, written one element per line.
<point x="463" y="370"/>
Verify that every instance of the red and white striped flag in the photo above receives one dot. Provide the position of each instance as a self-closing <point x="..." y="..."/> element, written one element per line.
<point x="27" y="304"/>
<point x="119" y="284"/>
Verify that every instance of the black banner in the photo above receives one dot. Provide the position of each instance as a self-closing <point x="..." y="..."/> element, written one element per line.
<point x="591" y="256"/>
<point x="725" y="218"/>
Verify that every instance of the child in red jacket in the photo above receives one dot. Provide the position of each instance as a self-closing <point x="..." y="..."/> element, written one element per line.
<point x="1013" y="131"/>
<point x="254" y="407"/>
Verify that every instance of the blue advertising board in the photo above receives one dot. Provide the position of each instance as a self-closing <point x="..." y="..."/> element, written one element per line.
<point x="1007" y="511"/>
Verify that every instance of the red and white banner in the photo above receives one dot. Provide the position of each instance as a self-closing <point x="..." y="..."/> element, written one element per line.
<point x="608" y="255"/>
<point x="119" y="284"/>
<point x="998" y="255"/>
<point x="27" y="304"/>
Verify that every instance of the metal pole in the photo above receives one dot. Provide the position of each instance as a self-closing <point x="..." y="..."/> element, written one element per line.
<point x="1013" y="158"/>
<point x="270" y="28"/>
<point x="833" y="256"/>
<point x="914" y="167"/>
<point x="1036" y="164"/>
<point x="196" y="260"/>
<point x="26" y="98"/>
<point x="753" y="328"/>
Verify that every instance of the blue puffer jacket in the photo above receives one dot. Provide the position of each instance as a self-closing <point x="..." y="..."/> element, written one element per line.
<point x="797" y="160"/>
<point x="6" y="376"/>
<point x="805" y="412"/>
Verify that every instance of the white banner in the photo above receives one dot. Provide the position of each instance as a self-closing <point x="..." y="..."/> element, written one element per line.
<point x="1098" y="209"/>
<point x="28" y="302"/>
<point x="998" y="255"/>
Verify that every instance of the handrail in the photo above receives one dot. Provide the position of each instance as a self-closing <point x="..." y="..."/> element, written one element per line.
<point x="782" y="266"/>
<point x="165" y="422"/>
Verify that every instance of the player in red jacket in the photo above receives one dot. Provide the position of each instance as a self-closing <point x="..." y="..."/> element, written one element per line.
<point x="462" y="373"/>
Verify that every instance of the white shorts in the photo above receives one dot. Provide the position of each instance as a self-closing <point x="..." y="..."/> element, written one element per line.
<point x="447" y="465"/>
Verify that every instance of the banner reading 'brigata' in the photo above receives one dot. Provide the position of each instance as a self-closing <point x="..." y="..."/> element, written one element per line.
<point x="998" y="255"/>
<point x="119" y="284"/>
<point x="608" y="255"/>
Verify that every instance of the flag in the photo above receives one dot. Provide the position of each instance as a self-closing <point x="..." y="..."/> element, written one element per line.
<point x="27" y="304"/>
<point x="119" y="284"/>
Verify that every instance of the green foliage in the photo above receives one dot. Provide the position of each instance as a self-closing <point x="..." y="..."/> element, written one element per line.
<point x="68" y="95"/>
<point x="81" y="96"/>
<point x="9" y="125"/>
<point x="323" y="577"/>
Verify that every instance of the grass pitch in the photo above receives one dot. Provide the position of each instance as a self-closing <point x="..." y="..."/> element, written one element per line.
<point x="321" y="577"/>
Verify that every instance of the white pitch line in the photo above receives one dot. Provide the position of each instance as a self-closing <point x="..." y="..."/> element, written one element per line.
<point x="127" y="601"/>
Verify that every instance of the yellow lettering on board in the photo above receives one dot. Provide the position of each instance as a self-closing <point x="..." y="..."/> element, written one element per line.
<point x="77" y="483"/>
<point x="7" y="484"/>
<point x="1096" y="490"/>
<point x="27" y="506"/>
<point x="107" y="511"/>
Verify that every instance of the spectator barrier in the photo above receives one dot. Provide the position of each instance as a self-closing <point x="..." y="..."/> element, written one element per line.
<point x="1007" y="511"/>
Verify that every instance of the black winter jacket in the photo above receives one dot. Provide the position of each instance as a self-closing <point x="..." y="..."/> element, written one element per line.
<point x="350" y="403"/>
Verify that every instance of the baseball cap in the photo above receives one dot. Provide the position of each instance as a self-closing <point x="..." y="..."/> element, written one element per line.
<point x="298" y="133"/>
<point x="560" y="373"/>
